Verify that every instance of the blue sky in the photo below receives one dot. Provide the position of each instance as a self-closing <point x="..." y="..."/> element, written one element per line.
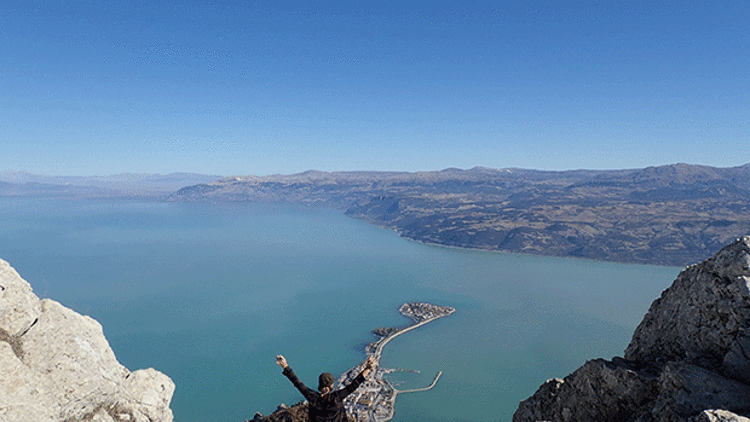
<point x="242" y="87"/>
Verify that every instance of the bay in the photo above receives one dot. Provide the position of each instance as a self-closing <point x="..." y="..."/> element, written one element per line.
<point x="210" y="293"/>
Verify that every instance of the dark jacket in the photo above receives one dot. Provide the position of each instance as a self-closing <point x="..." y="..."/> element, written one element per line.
<point x="329" y="407"/>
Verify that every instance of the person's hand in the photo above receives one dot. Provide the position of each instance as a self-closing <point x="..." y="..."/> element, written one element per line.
<point x="281" y="361"/>
<point x="369" y="364"/>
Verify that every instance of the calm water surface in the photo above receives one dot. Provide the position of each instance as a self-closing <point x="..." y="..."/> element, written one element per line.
<point x="209" y="294"/>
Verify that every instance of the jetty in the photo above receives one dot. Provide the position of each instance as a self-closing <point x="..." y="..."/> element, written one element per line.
<point x="375" y="399"/>
<point x="415" y="390"/>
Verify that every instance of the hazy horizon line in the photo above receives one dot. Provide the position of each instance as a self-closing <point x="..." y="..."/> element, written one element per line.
<point x="477" y="167"/>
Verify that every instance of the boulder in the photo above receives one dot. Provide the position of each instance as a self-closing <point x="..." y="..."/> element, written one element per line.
<point x="58" y="366"/>
<point x="148" y="393"/>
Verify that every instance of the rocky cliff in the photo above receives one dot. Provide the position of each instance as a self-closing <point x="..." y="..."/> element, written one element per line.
<point x="57" y="366"/>
<point x="688" y="360"/>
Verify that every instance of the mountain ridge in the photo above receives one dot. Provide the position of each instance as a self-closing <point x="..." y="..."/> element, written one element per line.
<point x="665" y="215"/>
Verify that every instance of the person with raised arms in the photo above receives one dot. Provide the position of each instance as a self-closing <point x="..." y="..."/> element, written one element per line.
<point x="326" y="405"/>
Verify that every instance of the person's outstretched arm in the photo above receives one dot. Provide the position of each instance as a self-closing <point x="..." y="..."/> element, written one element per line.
<point x="306" y="391"/>
<point x="356" y="382"/>
<point x="369" y="364"/>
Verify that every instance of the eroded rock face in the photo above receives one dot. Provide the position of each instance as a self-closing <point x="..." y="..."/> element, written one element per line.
<point x="57" y="365"/>
<point x="19" y="307"/>
<point x="688" y="359"/>
<point x="702" y="316"/>
<point x="686" y="390"/>
<point x="598" y="391"/>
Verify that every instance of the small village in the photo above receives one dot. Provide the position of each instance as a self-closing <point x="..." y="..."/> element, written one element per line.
<point x="374" y="400"/>
<point x="422" y="311"/>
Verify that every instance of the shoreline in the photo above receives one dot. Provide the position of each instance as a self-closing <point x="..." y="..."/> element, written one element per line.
<point x="374" y="400"/>
<point x="427" y="242"/>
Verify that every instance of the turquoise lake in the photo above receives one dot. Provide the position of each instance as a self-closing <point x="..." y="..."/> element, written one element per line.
<point x="209" y="294"/>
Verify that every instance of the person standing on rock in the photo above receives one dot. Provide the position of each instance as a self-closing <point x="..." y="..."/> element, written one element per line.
<point x="326" y="405"/>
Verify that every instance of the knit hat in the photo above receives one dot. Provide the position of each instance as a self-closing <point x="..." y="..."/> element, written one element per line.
<point x="325" y="380"/>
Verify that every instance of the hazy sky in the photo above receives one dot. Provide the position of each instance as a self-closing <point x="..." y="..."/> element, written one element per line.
<point x="243" y="87"/>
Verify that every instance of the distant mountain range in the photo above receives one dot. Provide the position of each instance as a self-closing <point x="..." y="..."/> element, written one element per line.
<point x="118" y="185"/>
<point x="668" y="215"/>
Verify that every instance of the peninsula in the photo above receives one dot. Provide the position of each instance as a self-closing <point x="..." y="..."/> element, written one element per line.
<point x="667" y="215"/>
<point x="375" y="399"/>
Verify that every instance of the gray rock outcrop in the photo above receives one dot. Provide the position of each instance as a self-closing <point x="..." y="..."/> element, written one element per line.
<point x="719" y="416"/>
<point x="57" y="366"/>
<point x="688" y="360"/>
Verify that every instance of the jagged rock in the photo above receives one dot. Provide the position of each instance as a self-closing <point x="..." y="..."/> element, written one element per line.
<point x="686" y="390"/>
<point x="597" y="391"/>
<point x="539" y="406"/>
<point x="736" y="362"/>
<point x="148" y="393"/>
<point x="19" y="307"/>
<point x="718" y="416"/>
<point x="702" y="316"/>
<point x="295" y="413"/>
<point x="688" y="359"/>
<point x="58" y="366"/>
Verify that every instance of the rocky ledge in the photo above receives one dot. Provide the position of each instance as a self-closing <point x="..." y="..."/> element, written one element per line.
<point x="57" y="366"/>
<point x="688" y="360"/>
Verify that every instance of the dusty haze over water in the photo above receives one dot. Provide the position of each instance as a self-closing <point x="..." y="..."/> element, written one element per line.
<point x="209" y="294"/>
